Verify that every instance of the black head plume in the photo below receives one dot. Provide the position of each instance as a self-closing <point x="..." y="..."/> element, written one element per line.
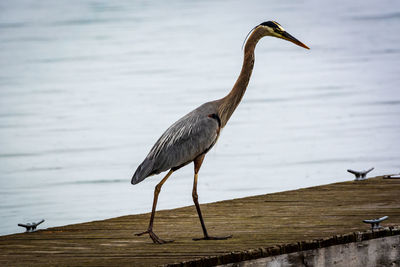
<point x="271" y="24"/>
<point x="244" y="41"/>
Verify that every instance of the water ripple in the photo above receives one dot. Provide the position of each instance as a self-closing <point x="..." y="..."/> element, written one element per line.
<point x="394" y="15"/>
<point x="54" y="151"/>
<point x="100" y="181"/>
<point x="12" y="25"/>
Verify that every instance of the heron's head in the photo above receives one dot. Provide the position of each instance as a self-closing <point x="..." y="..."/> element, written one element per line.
<point x="273" y="28"/>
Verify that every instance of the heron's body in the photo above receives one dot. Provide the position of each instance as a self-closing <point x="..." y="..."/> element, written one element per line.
<point x="191" y="137"/>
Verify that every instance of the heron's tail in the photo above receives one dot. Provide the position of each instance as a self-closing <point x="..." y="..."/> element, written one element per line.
<point x="144" y="170"/>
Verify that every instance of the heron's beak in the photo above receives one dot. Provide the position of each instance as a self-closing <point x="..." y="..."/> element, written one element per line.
<point x="286" y="36"/>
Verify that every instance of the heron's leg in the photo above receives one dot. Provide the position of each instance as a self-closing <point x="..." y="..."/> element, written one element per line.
<point x="197" y="164"/>
<point x="149" y="231"/>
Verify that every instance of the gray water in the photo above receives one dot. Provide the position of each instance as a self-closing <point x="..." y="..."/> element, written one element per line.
<point x="87" y="87"/>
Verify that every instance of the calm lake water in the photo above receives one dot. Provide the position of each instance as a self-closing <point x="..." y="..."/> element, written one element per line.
<point x="87" y="87"/>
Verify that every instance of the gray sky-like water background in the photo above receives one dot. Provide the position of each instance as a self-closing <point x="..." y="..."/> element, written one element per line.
<point x="87" y="87"/>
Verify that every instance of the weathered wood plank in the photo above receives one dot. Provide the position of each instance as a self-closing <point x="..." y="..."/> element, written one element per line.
<point x="255" y="222"/>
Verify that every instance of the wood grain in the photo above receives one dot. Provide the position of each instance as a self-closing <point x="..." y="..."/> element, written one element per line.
<point x="255" y="222"/>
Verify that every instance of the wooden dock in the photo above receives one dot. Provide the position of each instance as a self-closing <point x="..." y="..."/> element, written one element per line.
<point x="264" y="221"/>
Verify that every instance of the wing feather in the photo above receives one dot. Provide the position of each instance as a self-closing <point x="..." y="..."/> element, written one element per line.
<point x="181" y="143"/>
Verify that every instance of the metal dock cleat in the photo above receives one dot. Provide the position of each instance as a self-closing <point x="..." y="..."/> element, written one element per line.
<point x="30" y="227"/>
<point x="392" y="176"/>
<point x="360" y="175"/>
<point x="375" y="222"/>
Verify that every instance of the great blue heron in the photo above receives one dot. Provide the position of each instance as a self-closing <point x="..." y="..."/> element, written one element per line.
<point x="191" y="137"/>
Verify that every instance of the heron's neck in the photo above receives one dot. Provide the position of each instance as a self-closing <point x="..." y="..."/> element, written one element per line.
<point x="228" y="104"/>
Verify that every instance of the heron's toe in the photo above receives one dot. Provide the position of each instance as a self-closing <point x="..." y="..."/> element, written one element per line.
<point x="158" y="240"/>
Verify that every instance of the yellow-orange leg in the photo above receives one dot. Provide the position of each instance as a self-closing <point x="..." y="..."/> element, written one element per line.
<point x="197" y="164"/>
<point x="149" y="230"/>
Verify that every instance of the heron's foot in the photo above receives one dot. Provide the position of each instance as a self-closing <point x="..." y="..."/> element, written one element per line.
<point x="154" y="237"/>
<point x="213" y="238"/>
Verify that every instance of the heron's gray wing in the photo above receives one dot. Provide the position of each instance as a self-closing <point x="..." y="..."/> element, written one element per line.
<point x="180" y="144"/>
<point x="184" y="141"/>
